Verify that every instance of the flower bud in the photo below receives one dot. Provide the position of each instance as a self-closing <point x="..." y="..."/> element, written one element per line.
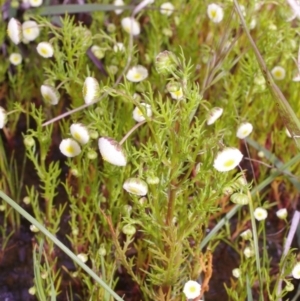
<point x="102" y="250"/>
<point x="239" y="198"/>
<point x="165" y="62"/>
<point x="29" y="141"/>
<point x="247" y="234"/>
<point x="129" y="230"/>
<point x="236" y="273"/>
<point x="83" y="257"/>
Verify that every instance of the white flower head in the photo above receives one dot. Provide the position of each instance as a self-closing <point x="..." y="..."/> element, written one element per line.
<point x="32" y="290"/>
<point x="248" y="252"/>
<point x="34" y="229"/>
<point x="178" y="94"/>
<point x="296" y="271"/>
<point x="35" y="3"/>
<point x="80" y="133"/>
<point x="3" y="117"/>
<point x="45" y="49"/>
<point x="50" y="94"/>
<point x="228" y="159"/>
<point x="278" y="73"/>
<point x="167" y="9"/>
<point x="15" y="59"/>
<point x="215" y="13"/>
<point x="260" y="213"/>
<point x="131" y="26"/>
<point x="83" y="257"/>
<point x="192" y="289"/>
<point x="139" y="115"/>
<point x="136" y="186"/>
<point x="69" y="147"/>
<point x="244" y="130"/>
<point x="119" y="3"/>
<point x="111" y="151"/>
<point x="119" y="47"/>
<point x="137" y="74"/>
<point x="14" y="30"/>
<point x="236" y="272"/>
<point x="91" y="90"/>
<point x="30" y="30"/>
<point x="282" y="213"/>
<point x="214" y="115"/>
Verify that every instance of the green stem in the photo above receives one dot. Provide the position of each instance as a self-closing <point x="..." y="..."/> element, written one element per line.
<point x="33" y="221"/>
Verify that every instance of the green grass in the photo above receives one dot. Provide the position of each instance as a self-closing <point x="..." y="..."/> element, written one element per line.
<point x="186" y="214"/>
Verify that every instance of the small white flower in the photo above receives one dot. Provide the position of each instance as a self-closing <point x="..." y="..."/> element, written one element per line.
<point x="119" y="47"/>
<point x="137" y="74"/>
<point x="177" y="94"/>
<point x="35" y="3"/>
<point x="45" y="49"/>
<point x="83" y="257"/>
<point x="50" y="94"/>
<point x="278" y="73"/>
<point x="247" y="234"/>
<point x="296" y="271"/>
<point x="139" y="115"/>
<point x="119" y="3"/>
<point x="282" y="213"/>
<point x="192" y="289"/>
<point x="80" y="133"/>
<point x="32" y="290"/>
<point x="175" y="89"/>
<point x="3" y="118"/>
<point x="261" y="154"/>
<point x="252" y="24"/>
<point x="14" y="30"/>
<point x="30" y="30"/>
<point x="111" y="151"/>
<point x="248" y="252"/>
<point x="260" y="213"/>
<point x="236" y="272"/>
<point x="214" y="114"/>
<point x="69" y="147"/>
<point x="131" y="26"/>
<point x="34" y="229"/>
<point x="91" y="90"/>
<point x="244" y="130"/>
<point x="15" y="59"/>
<point x="136" y="186"/>
<point x="215" y="13"/>
<point x="167" y="9"/>
<point x="228" y="159"/>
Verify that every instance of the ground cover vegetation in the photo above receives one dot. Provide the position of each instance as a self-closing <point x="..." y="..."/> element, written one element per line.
<point x="149" y="150"/>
